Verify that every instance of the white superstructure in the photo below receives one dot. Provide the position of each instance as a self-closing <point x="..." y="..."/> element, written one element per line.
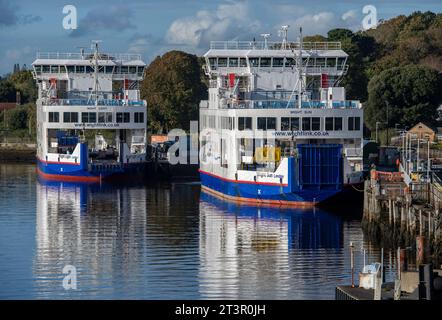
<point x="285" y="90"/>
<point x="82" y="91"/>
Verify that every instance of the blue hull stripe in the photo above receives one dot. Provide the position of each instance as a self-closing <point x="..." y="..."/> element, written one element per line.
<point x="263" y="192"/>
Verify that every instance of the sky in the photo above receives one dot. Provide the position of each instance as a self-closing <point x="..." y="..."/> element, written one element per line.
<point x="153" y="27"/>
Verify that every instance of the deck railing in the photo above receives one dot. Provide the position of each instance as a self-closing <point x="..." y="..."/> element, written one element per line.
<point x="90" y="102"/>
<point x="87" y="56"/>
<point x="261" y="45"/>
<point x="281" y="104"/>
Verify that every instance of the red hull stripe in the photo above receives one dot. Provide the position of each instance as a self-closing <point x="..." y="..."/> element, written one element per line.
<point x="260" y="202"/>
<point x="243" y="181"/>
<point x="58" y="162"/>
<point x="60" y="177"/>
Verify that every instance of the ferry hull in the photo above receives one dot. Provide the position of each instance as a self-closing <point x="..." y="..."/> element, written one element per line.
<point x="262" y="193"/>
<point x="77" y="173"/>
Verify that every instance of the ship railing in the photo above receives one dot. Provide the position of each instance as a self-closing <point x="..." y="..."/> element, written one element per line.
<point x="91" y="102"/>
<point x="87" y="56"/>
<point x="261" y="45"/>
<point x="281" y="104"/>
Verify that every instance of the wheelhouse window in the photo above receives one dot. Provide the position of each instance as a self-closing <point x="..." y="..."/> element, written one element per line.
<point x="242" y="62"/>
<point x="266" y="62"/>
<point x="338" y="124"/>
<point x="139" y="117"/>
<point x="329" y="124"/>
<point x="331" y="62"/>
<point x="289" y="62"/>
<point x="70" y="117"/>
<point x="289" y="124"/>
<point x="278" y="62"/>
<point x="233" y="62"/>
<point x="101" y="117"/>
<point x="212" y="63"/>
<point x="268" y="123"/>
<point x="54" y="117"/>
<point x="254" y="62"/>
<point x="123" y="117"/>
<point x="245" y="123"/>
<point x="306" y="124"/>
<point x="88" y="117"/>
<point x="341" y="63"/>
<point x="222" y="62"/>
<point x="354" y="123"/>
<point x="316" y="124"/>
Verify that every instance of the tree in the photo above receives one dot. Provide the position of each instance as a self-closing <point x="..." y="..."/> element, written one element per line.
<point x="25" y="83"/>
<point x="173" y="90"/>
<point x="411" y="93"/>
<point x="339" y="34"/>
<point x="315" y="38"/>
<point x="361" y="49"/>
<point x="7" y="91"/>
<point x="18" y="118"/>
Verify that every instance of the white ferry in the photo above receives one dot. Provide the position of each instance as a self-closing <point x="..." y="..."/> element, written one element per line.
<point x="277" y="128"/>
<point x="89" y="97"/>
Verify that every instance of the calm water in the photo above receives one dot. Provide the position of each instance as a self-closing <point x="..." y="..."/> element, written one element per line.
<point x="165" y="242"/>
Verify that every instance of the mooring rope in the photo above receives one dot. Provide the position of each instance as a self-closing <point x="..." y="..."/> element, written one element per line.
<point x="357" y="189"/>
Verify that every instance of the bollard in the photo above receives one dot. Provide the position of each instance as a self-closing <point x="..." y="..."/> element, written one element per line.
<point x="389" y="211"/>
<point x="403" y="259"/>
<point x="420" y="250"/>
<point x="429" y="226"/>
<point x="420" y="222"/>
<point x="352" y="265"/>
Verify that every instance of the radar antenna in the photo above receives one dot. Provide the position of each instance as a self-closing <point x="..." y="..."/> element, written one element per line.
<point x="265" y="36"/>
<point x="282" y="32"/>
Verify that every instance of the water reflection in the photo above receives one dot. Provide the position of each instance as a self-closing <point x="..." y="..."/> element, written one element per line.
<point x="169" y="241"/>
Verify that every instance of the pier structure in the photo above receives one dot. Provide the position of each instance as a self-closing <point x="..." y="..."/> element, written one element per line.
<point x="402" y="214"/>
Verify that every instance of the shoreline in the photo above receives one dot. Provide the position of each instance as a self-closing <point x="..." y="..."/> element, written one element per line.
<point x="8" y="155"/>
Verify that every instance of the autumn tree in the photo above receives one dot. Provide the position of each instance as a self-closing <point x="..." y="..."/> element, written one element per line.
<point x="408" y="94"/>
<point x="173" y="89"/>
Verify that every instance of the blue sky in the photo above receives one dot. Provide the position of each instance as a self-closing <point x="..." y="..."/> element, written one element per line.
<point x="153" y="27"/>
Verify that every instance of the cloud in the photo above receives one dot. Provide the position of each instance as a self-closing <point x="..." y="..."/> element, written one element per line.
<point x="140" y="43"/>
<point x="17" y="54"/>
<point x="322" y="22"/>
<point x="113" y="18"/>
<point x="9" y="15"/>
<point x="229" y="21"/>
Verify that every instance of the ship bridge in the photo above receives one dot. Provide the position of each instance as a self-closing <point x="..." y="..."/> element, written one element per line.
<point x="225" y="57"/>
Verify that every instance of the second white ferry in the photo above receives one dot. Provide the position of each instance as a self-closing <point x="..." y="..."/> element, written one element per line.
<point x="277" y="128"/>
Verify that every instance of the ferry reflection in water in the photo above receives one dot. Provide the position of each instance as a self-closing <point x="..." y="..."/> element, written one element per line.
<point x="263" y="252"/>
<point x="168" y="241"/>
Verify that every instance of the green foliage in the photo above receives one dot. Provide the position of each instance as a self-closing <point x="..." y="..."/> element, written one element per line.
<point x="412" y="94"/>
<point x="25" y="83"/>
<point x="173" y="89"/>
<point x="7" y="91"/>
<point x="361" y="49"/>
<point x="315" y="38"/>
<point x="17" y="118"/>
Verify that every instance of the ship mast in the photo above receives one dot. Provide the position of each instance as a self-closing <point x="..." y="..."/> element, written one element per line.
<point x="95" y="65"/>
<point x="300" y="69"/>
